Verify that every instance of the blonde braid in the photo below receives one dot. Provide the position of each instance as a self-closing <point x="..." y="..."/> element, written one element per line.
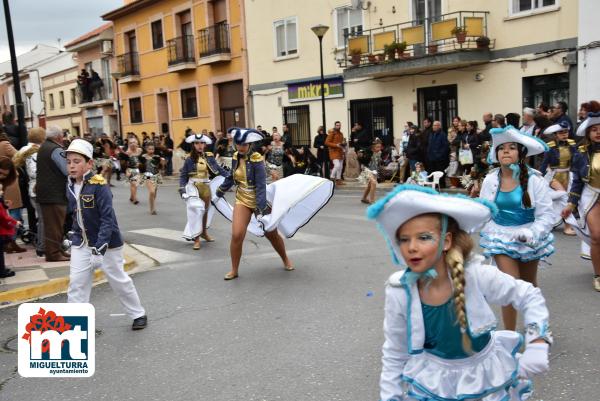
<point x="462" y="244"/>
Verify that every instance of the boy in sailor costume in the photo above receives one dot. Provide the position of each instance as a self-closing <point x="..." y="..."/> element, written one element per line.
<point x="440" y="337"/>
<point x="583" y="210"/>
<point x="199" y="168"/>
<point x="96" y="239"/>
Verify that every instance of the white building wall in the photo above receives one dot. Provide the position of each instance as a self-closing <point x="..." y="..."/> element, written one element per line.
<point x="588" y="63"/>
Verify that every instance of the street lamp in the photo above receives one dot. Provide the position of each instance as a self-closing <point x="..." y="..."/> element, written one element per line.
<point x="29" y="95"/>
<point x="320" y="31"/>
<point x="116" y="76"/>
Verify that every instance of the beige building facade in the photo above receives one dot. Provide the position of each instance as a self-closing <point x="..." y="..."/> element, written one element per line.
<point x="528" y="60"/>
<point x="61" y="101"/>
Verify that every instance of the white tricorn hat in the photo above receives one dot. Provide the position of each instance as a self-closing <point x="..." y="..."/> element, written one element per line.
<point x="199" y="138"/>
<point x="509" y="133"/>
<point x="408" y="201"/>
<point x="562" y="126"/>
<point x="592" y="119"/>
<point x="245" y="135"/>
<point x="82" y="147"/>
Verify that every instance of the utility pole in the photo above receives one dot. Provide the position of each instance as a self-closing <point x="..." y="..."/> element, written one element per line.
<point x="15" y="77"/>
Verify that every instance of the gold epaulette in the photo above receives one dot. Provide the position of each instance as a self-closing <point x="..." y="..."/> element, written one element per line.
<point x="582" y="149"/>
<point x="256" y="157"/>
<point x="209" y="154"/>
<point x="235" y="155"/>
<point x="571" y="142"/>
<point x="97" y="180"/>
<point x="551" y="144"/>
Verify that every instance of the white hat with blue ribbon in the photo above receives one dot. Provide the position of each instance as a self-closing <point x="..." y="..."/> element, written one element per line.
<point x="199" y="138"/>
<point x="562" y="126"/>
<point x="592" y="119"/>
<point x="245" y="135"/>
<point x="408" y="201"/>
<point x="508" y="134"/>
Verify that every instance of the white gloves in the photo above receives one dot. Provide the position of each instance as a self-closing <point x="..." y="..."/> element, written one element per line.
<point x="534" y="360"/>
<point x="524" y="235"/>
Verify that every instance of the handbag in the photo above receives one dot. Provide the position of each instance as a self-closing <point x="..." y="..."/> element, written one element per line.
<point x="465" y="156"/>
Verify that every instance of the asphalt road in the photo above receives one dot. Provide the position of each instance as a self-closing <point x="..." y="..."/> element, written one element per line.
<point x="311" y="334"/>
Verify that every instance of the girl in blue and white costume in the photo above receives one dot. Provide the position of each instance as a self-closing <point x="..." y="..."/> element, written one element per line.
<point x="440" y="338"/>
<point x="521" y="233"/>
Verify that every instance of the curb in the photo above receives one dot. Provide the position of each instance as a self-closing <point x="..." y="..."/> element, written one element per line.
<point x="52" y="287"/>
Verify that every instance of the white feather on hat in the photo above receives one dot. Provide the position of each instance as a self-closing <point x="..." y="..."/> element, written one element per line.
<point x="592" y="119"/>
<point x="408" y="201"/>
<point x="508" y="134"/>
<point x="199" y="138"/>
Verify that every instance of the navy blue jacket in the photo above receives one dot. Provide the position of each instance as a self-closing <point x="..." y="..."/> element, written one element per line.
<point x="581" y="174"/>
<point x="256" y="175"/>
<point x="438" y="148"/>
<point x="189" y="167"/>
<point x="94" y="221"/>
<point x="552" y="156"/>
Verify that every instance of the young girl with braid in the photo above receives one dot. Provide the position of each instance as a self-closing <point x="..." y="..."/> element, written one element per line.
<point x="440" y="337"/>
<point x="521" y="233"/>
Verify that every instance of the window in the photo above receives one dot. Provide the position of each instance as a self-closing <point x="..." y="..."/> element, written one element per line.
<point x="157" y="34"/>
<point x="107" y="78"/>
<point x="135" y="110"/>
<point x="524" y="6"/>
<point x="286" y="41"/>
<point x="73" y="97"/>
<point x="51" y="101"/>
<point x="189" y="107"/>
<point x="349" y="22"/>
<point x="61" y="99"/>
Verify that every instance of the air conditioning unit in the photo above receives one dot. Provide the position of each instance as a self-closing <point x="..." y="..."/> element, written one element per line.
<point x="107" y="47"/>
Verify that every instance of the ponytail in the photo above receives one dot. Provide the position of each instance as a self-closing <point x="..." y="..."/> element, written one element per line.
<point x="524" y="175"/>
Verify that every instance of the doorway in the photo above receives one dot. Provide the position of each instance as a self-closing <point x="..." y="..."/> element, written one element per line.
<point x="439" y="103"/>
<point x="375" y="115"/>
<point x="550" y="89"/>
<point x="231" y="105"/>
<point x="162" y="111"/>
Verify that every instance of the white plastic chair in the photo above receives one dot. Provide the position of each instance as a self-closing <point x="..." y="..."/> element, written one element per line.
<point x="437" y="175"/>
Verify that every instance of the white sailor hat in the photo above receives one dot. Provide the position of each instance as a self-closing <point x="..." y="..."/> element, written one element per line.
<point x="562" y="126"/>
<point x="509" y="133"/>
<point x="82" y="147"/>
<point x="408" y="201"/>
<point x="592" y="119"/>
<point x="245" y="135"/>
<point x="199" y="138"/>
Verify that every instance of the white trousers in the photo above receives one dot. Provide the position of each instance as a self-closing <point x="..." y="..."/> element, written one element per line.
<point x="195" y="209"/>
<point x="82" y="276"/>
<point x="336" y="171"/>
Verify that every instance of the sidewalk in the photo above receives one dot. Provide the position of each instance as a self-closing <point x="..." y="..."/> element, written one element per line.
<point x="36" y="278"/>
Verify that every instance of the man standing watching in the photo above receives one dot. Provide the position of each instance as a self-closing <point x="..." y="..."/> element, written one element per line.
<point x="484" y="135"/>
<point x="438" y="151"/>
<point x="528" y="126"/>
<point x="336" y="144"/>
<point x="559" y="114"/>
<point x="51" y="192"/>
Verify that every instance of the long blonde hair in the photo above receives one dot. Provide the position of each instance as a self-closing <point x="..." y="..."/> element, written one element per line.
<point x="461" y="248"/>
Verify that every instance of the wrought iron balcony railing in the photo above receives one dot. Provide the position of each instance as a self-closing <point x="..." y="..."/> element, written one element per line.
<point x="181" y="50"/>
<point x="214" y="40"/>
<point x="128" y="64"/>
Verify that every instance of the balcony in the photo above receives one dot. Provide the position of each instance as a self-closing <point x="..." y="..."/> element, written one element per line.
<point x="451" y="40"/>
<point x="93" y="94"/>
<point x="181" y="53"/>
<point x="129" y="66"/>
<point x="214" y="44"/>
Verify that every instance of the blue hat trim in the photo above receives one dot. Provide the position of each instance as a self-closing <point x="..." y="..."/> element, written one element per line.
<point x="564" y="125"/>
<point x="496" y="131"/>
<point x="240" y="138"/>
<point x="591" y="114"/>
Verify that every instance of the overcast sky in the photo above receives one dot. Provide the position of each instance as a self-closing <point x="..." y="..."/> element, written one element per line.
<point x="44" y="21"/>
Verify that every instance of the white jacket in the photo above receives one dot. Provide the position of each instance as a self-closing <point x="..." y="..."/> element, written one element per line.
<point x="404" y="329"/>
<point x="539" y="193"/>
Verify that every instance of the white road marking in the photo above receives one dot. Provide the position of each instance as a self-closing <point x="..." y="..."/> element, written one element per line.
<point x="163" y="233"/>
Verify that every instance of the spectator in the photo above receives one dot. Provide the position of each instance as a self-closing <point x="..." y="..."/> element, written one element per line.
<point x="543" y="109"/>
<point x="11" y="129"/>
<point x="541" y="123"/>
<point x="322" y="152"/>
<point x="274" y="157"/>
<point x="12" y="195"/>
<point x="51" y="192"/>
<point x="414" y="147"/>
<point x="286" y="136"/>
<point x="484" y="135"/>
<point x="513" y="119"/>
<point x="8" y="225"/>
<point x="363" y="138"/>
<point x="559" y="114"/>
<point x="528" y="126"/>
<point x="419" y="176"/>
<point x="438" y="150"/>
<point x="385" y="136"/>
<point x="499" y="121"/>
<point x="95" y="86"/>
<point x="337" y="145"/>
<point x="454" y="130"/>
<point x="370" y="171"/>
<point x="168" y="145"/>
<point x="26" y="161"/>
<point x="468" y="141"/>
<point x="425" y="134"/>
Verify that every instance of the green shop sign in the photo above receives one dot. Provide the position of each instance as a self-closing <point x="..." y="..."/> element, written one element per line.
<point x="311" y="90"/>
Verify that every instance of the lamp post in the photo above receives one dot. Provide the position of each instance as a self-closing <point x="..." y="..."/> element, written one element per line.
<point x="29" y="95"/>
<point x="320" y="31"/>
<point x="116" y="76"/>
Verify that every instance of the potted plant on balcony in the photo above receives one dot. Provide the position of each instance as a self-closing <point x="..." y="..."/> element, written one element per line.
<point x="395" y="50"/>
<point x="355" y="56"/>
<point x="461" y="33"/>
<point x="432" y="48"/>
<point x="372" y="58"/>
<point x="483" y="42"/>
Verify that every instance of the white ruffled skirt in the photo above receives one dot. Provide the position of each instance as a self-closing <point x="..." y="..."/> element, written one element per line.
<point x="489" y="375"/>
<point x="294" y="201"/>
<point x="195" y="208"/>
<point x="499" y="240"/>
<point x="589" y="197"/>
